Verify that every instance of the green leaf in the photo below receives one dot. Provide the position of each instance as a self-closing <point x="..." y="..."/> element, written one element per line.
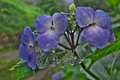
<point x="44" y="59"/>
<point x="117" y="31"/>
<point x="17" y="64"/>
<point x="82" y="77"/>
<point x="68" y="76"/>
<point x="114" y="3"/>
<point x="109" y="66"/>
<point x="24" y="70"/>
<point x="105" y="51"/>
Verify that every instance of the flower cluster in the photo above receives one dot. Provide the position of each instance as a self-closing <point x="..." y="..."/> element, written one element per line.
<point x="27" y="51"/>
<point x="94" y="27"/>
<point x="97" y="26"/>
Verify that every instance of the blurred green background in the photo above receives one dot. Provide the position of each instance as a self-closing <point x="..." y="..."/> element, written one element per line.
<point x="16" y="14"/>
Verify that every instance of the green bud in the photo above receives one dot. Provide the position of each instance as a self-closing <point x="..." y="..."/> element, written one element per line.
<point x="72" y="7"/>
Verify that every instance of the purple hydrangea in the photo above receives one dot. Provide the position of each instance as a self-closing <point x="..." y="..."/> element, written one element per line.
<point x="27" y="51"/>
<point x="98" y="30"/>
<point x="50" y="28"/>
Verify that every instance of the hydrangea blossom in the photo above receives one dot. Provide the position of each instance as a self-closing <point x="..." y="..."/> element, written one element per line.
<point x="27" y="51"/>
<point x="97" y="26"/>
<point x="49" y="29"/>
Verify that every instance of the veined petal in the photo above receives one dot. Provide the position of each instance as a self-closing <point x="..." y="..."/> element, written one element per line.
<point x="48" y="40"/>
<point x="27" y="38"/>
<point x="43" y="23"/>
<point x="84" y="16"/>
<point x="60" y="22"/>
<point x="24" y="52"/>
<point x="97" y="36"/>
<point x="28" y="32"/>
<point x="32" y="59"/>
<point x="102" y="19"/>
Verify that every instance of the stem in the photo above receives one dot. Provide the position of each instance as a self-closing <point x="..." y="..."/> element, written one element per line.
<point x="86" y="69"/>
<point x="89" y="72"/>
<point x="72" y="38"/>
<point x="64" y="46"/>
<point x="75" y="29"/>
<point x="78" y="36"/>
<point x="68" y="31"/>
<point x="68" y="40"/>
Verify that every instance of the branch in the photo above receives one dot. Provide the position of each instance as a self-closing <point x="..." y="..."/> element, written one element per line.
<point x="89" y="72"/>
<point x="64" y="46"/>
<point x="78" y="37"/>
<point x="68" y="40"/>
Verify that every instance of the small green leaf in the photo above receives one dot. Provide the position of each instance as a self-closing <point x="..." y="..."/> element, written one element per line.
<point x="24" y="70"/>
<point x="105" y="51"/>
<point x="17" y="64"/>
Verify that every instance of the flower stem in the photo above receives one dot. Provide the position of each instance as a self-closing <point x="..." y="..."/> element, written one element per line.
<point x="68" y="40"/>
<point x="89" y="72"/>
<point x="78" y="37"/>
<point x="75" y="29"/>
<point x="72" y="39"/>
<point x="64" y="46"/>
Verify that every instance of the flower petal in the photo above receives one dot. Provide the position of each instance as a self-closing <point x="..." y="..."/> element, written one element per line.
<point x="28" y="37"/>
<point x="102" y="19"/>
<point x="43" y="23"/>
<point x="60" y="22"/>
<point x="25" y="40"/>
<point x="112" y="36"/>
<point x="84" y="16"/>
<point x="48" y="40"/>
<point x="28" y="32"/>
<point x="24" y="52"/>
<point x="97" y="36"/>
<point x="32" y="59"/>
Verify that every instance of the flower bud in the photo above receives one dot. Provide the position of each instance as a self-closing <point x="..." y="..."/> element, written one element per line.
<point x="72" y="7"/>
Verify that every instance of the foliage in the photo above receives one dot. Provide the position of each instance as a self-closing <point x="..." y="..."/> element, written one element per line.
<point x="114" y="3"/>
<point x="14" y="15"/>
<point x="42" y="62"/>
<point x="114" y="47"/>
<point x="24" y="70"/>
<point x="50" y="6"/>
<point x="109" y="65"/>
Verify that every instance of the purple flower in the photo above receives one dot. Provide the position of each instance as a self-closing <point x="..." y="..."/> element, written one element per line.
<point x="27" y="51"/>
<point x="50" y="28"/>
<point x="98" y="30"/>
<point x="58" y="75"/>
